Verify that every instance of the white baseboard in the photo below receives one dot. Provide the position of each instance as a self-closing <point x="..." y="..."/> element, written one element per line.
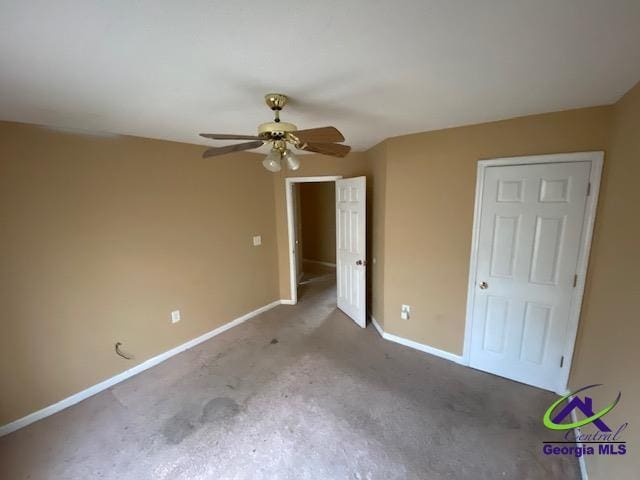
<point x="318" y="262"/>
<point x="78" y="397"/>
<point x="287" y="301"/>
<point x="582" y="461"/>
<point x="418" y="346"/>
<point x="377" y="326"/>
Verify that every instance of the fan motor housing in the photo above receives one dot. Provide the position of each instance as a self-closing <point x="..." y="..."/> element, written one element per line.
<point x="273" y="130"/>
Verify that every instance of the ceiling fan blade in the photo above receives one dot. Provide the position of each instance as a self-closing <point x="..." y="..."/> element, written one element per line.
<point x="319" y="135"/>
<point x="228" y="136"/>
<point x="333" y="149"/>
<point x="238" y="147"/>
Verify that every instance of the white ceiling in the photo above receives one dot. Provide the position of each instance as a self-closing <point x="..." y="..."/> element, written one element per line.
<point x="374" y="69"/>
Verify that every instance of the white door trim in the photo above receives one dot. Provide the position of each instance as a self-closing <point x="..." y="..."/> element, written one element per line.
<point x="293" y="281"/>
<point x="597" y="160"/>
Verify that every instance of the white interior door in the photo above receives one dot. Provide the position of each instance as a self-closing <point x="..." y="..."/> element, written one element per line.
<point x="351" y="247"/>
<point x="531" y="222"/>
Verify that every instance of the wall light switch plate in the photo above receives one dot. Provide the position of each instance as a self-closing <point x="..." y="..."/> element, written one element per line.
<point x="175" y="316"/>
<point x="257" y="240"/>
<point x="405" y="312"/>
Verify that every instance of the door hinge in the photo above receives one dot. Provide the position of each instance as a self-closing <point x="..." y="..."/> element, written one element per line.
<point x="588" y="189"/>
<point x="561" y="361"/>
<point x="575" y="280"/>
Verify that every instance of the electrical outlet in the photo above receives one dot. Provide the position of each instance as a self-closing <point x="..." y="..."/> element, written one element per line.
<point x="175" y="316"/>
<point x="405" y="312"/>
<point x="257" y="240"/>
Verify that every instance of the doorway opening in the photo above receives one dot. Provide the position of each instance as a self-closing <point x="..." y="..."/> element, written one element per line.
<point x="315" y="232"/>
<point x="312" y="232"/>
<point x="349" y="244"/>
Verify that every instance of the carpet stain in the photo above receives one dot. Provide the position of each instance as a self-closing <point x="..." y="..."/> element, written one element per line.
<point x="219" y="408"/>
<point x="274" y="341"/>
<point x="180" y="426"/>
<point x="177" y="428"/>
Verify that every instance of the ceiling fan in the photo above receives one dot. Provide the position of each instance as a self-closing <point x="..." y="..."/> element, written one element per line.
<point x="282" y="135"/>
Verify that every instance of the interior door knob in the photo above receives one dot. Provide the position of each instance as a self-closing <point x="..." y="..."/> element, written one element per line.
<point x="361" y="262"/>
<point x="484" y="285"/>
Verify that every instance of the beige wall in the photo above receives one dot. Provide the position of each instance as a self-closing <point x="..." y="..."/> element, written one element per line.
<point x="102" y="237"/>
<point x="430" y="187"/>
<point x="376" y="202"/>
<point x="352" y="165"/>
<point x="318" y="219"/>
<point x="607" y="346"/>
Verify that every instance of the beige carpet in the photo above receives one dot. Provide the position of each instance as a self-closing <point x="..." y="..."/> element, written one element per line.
<point x="297" y="393"/>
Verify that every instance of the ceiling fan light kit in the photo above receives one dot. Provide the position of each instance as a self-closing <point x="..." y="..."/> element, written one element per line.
<point x="281" y="135"/>
<point x="272" y="161"/>
<point x="293" y="163"/>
